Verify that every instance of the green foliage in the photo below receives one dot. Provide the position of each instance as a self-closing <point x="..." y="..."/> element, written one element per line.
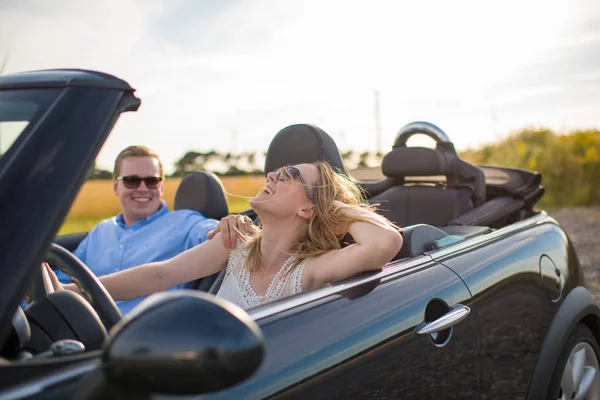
<point x="230" y="164"/>
<point x="569" y="163"/>
<point x="96" y="173"/>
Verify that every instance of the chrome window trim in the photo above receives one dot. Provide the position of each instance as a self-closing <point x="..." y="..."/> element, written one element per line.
<point x="391" y="270"/>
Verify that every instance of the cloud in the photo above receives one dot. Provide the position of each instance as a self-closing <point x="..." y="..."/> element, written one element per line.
<point x="208" y="72"/>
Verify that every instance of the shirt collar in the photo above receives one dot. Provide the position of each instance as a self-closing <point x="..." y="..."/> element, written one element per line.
<point x="162" y="210"/>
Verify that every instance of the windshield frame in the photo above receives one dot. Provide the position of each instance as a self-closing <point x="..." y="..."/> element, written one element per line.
<point x="43" y="99"/>
<point x="41" y="174"/>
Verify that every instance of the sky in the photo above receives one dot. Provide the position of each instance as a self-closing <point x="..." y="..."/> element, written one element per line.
<point x="228" y="75"/>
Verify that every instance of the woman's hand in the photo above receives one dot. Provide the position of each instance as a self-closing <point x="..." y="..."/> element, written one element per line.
<point x="232" y="227"/>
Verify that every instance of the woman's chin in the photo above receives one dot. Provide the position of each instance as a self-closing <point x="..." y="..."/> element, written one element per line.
<point x="256" y="201"/>
<point x="259" y="202"/>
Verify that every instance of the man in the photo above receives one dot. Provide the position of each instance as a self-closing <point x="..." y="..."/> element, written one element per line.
<point x="145" y="230"/>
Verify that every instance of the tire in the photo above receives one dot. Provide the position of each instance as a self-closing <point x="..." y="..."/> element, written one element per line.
<point x="577" y="370"/>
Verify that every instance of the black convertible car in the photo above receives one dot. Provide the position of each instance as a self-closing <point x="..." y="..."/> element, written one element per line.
<point x="485" y="300"/>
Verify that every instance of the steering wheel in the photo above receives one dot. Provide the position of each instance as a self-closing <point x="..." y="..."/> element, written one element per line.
<point x="89" y="285"/>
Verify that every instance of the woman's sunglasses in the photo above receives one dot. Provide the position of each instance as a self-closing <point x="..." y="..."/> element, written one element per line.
<point x="134" y="181"/>
<point x="293" y="172"/>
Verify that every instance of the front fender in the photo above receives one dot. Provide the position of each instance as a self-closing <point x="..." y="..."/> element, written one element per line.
<point x="578" y="307"/>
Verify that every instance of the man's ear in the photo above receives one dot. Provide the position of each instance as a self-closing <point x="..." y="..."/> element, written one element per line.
<point x="115" y="186"/>
<point x="161" y="187"/>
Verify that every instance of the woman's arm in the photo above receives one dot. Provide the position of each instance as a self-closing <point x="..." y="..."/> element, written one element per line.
<point x="377" y="242"/>
<point x="205" y="259"/>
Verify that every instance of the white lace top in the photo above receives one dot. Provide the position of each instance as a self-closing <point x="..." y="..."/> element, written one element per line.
<point x="236" y="285"/>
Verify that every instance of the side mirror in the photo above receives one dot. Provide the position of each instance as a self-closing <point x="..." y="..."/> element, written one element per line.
<point x="183" y="342"/>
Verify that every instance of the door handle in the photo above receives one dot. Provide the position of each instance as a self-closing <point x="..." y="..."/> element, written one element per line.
<point x="451" y="318"/>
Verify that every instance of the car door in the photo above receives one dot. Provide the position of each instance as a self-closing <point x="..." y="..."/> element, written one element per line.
<point x="357" y="339"/>
<point x="512" y="292"/>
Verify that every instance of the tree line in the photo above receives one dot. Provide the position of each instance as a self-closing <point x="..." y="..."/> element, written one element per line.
<point x="569" y="162"/>
<point x="245" y="163"/>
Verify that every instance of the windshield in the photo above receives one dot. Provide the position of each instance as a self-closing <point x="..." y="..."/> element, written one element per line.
<point x="20" y="109"/>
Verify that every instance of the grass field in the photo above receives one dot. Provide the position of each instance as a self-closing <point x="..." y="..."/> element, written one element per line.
<point x="96" y="200"/>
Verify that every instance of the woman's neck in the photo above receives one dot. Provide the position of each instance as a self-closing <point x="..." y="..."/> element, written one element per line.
<point x="277" y="242"/>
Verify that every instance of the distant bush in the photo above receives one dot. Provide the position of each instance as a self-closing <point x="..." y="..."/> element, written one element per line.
<point x="569" y="163"/>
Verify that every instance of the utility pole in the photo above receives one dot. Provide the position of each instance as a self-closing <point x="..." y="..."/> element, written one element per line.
<point x="377" y="121"/>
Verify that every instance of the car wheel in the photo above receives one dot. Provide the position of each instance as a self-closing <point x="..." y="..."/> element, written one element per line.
<point x="577" y="374"/>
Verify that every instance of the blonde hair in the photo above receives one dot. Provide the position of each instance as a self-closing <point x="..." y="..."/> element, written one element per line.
<point x="333" y="195"/>
<point x="136" y="151"/>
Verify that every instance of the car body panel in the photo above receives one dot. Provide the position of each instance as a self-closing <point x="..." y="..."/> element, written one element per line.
<point x="579" y="307"/>
<point x="321" y="351"/>
<point x="511" y="303"/>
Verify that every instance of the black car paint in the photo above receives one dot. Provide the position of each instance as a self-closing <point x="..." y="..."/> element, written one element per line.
<point x="579" y="307"/>
<point x="351" y="343"/>
<point x="511" y="303"/>
<point x="365" y="347"/>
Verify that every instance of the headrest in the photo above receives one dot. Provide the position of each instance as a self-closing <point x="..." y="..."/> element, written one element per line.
<point x="405" y="161"/>
<point x="302" y="143"/>
<point x="417" y="161"/>
<point x="202" y="191"/>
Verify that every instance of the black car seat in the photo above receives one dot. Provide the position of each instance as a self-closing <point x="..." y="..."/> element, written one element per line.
<point x="202" y="191"/>
<point x="302" y="143"/>
<point x="306" y="143"/>
<point x="431" y="186"/>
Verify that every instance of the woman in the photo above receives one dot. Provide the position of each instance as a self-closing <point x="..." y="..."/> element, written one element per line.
<point x="305" y="211"/>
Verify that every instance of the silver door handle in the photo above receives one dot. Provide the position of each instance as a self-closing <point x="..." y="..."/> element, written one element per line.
<point x="452" y="317"/>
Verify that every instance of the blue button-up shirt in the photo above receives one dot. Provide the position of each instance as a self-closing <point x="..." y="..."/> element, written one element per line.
<point x="113" y="246"/>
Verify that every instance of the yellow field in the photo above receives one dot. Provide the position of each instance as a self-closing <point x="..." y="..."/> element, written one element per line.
<point x="96" y="200"/>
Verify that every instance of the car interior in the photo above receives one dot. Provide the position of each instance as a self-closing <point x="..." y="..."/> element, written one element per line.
<point x="435" y="197"/>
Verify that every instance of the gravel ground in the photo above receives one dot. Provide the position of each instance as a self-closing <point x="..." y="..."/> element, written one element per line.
<point x="582" y="224"/>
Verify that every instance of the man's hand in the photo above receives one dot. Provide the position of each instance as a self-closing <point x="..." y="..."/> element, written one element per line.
<point x="56" y="284"/>
<point x="232" y="226"/>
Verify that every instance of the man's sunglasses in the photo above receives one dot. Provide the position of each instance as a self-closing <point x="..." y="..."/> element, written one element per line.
<point x="134" y="181"/>
<point x="292" y="172"/>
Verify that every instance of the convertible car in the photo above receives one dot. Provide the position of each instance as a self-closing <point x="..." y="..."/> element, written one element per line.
<point x="485" y="300"/>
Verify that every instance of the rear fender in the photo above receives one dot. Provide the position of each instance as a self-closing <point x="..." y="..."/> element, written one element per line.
<point x="578" y="307"/>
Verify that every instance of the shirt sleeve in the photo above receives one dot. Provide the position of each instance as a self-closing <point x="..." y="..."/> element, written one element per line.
<point x="81" y="250"/>
<point x="80" y="253"/>
<point x="199" y="231"/>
